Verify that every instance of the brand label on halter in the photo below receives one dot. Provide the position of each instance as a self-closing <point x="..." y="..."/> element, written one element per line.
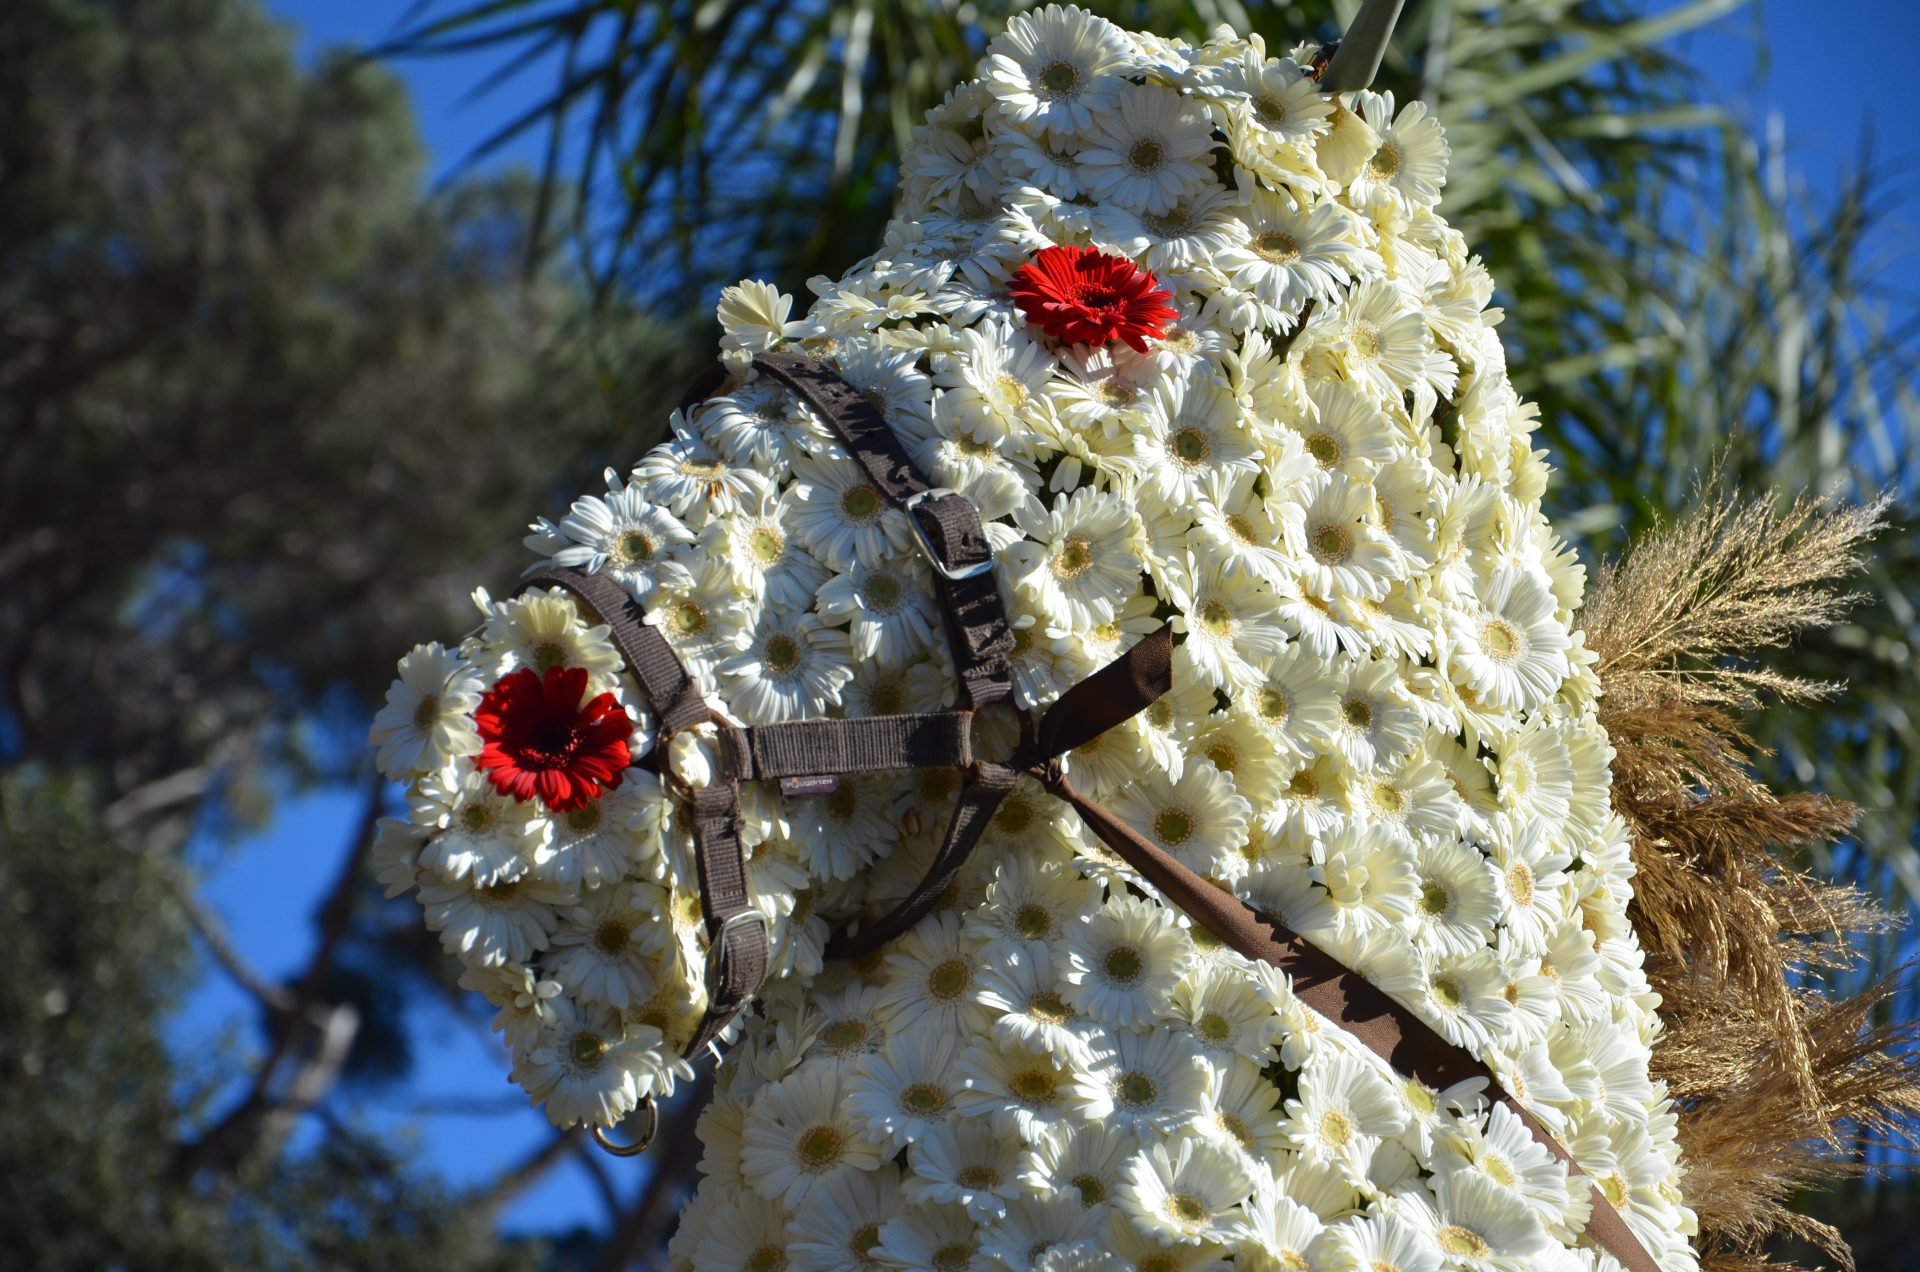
<point x="823" y="784"/>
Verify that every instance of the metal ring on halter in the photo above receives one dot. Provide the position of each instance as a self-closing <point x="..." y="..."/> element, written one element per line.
<point x="639" y="1146"/>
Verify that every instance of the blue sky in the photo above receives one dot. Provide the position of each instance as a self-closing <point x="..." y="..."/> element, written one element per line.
<point x="1826" y="82"/>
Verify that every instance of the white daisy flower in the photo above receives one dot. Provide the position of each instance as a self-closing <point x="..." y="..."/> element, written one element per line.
<point x="932" y="1237"/>
<point x="1343" y="1111"/>
<point x="837" y="833"/>
<point x="694" y="483"/>
<point x="586" y="1069"/>
<point x="1501" y="1149"/>
<point x="993" y="380"/>
<point x="1147" y="149"/>
<point x="791" y="669"/>
<point x="1289" y="253"/>
<point x="1187" y="235"/>
<point x="1510" y="647"/>
<point x="1347" y="142"/>
<point x="1083" y="1162"/>
<point x="1123" y="961"/>
<point x="765" y="558"/>
<point x="1462" y="997"/>
<point x="1483" y="1226"/>
<point x="1297" y="701"/>
<point x="1199" y="818"/>
<point x="1021" y="1089"/>
<point x="1236" y="744"/>
<point x="1229" y="623"/>
<point x="427" y="721"/>
<point x="1378" y="1242"/>
<point x="624" y="534"/>
<point x="1028" y="910"/>
<point x="1077" y="561"/>
<point x="1530" y="866"/>
<point x="847" y="1026"/>
<point x="901" y="1092"/>
<point x="1132" y="1250"/>
<point x="701" y="616"/>
<point x="761" y="426"/>
<point x="1227" y="1014"/>
<point x="1192" y="430"/>
<point x="745" y="1239"/>
<point x="1056" y="69"/>
<point x="800" y="1134"/>
<point x="1186" y="1194"/>
<point x="604" y="840"/>
<point x="1242" y="1113"/>
<point x="838" y="1230"/>
<point x="1409" y="165"/>
<point x="1243" y="530"/>
<point x="1386" y="344"/>
<point x="1140" y="1082"/>
<point x="1368" y="879"/>
<point x="1533" y="771"/>
<point x="476" y="833"/>
<point x="841" y="517"/>
<point x="753" y="316"/>
<point x="891" y="381"/>
<point x="1312" y="801"/>
<point x="1347" y="554"/>
<point x="1459" y="899"/>
<point x="1350" y="432"/>
<point x="595" y="951"/>
<point x="542" y="629"/>
<point x="1030" y="1005"/>
<point x="1412" y="795"/>
<point x="931" y="974"/>
<point x="1274" y="107"/>
<point x="965" y="1163"/>
<point x="889" y="608"/>
<point x="1275" y="1233"/>
<point x="1046" y="1234"/>
<point x="1377" y="725"/>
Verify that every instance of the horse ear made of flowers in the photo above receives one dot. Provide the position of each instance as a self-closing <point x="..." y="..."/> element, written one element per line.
<point x="1085" y="724"/>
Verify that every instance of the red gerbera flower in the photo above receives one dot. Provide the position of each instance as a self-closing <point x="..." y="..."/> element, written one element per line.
<point x="541" y="740"/>
<point x="1081" y="295"/>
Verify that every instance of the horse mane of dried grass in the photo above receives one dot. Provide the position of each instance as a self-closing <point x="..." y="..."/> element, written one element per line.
<point x="1770" y="1070"/>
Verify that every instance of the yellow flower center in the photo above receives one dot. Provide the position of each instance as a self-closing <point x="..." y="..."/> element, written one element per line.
<point x="1276" y="247"/>
<point x="820" y="1147"/>
<point x="1123" y="965"/>
<point x="1463" y="1241"/>
<point x="767" y="545"/>
<point x="1073" y="559"/>
<point x="633" y="547"/>
<point x="1146" y="156"/>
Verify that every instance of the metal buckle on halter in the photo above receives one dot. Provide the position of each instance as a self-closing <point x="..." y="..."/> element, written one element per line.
<point x="716" y="948"/>
<point x="926" y="544"/>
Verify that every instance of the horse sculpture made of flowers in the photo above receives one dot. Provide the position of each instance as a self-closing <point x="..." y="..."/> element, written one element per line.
<point x="1191" y="338"/>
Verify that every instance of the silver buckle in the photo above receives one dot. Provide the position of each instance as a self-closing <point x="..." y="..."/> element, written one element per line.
<point x="717" y="946"/>
<point x="914" y="500"/>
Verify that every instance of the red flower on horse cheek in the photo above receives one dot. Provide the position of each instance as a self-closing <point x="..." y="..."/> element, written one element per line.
<point x="539" y="741"/>
<point x="1080" y="295"/>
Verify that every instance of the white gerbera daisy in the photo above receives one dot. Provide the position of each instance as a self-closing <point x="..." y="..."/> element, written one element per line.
<point x="889" y="609"/>
<point x="595" y="951"/>
<point x="1283" y="105"/>
<point x="1387" y="347"/>
<point x="791" y="669"/>
<point x="542" y="629"/>
<point x="1275" y="1233"/>
<point x="1289" y="253"/>
<point x="1312" y="801"/>
<point x="1046" y="1234"/>
<point x="801" y="1133"/>
<point x="475" y="832"/>
<point x="745" y="1239"/>
<point x="1187" y="1194"/>
<point x="1189" y="234"/>
<point x="760" y="425"/>
<point x="1243" y="530"/>
<point x="1148" y="149"/>
<point x="931" y="972"/>
<point x="1242" y="1113"/>
<point x="1381" y="1241"/>
<point x="1199" y="818"/>
<point x="904" y="1090"/>
<point x="605" y="839"/>
<point x="428" y="717"/>
<point x="1483" y="1226"/>
<point x="926" y="1236"/>
<point x="1500" y="1148"/>
<point x="841" y="517"/>
<point x="1377" y="724"/>
<point x="1030" y="1005"/>
<point x="1511" y="646"/>
<point x="1459" y="899"/>
<point x="1347" y="142"/>
<point x="1028" y="910"/>
<point x="766" y="559"/>
<point x="1021" y="1089"/>
<point x="586" y="1069"/>
<point x="1141" y="1082"/>
<point x="1230" y="624"/>
<point x="993" y="380"/>
<point x="1530" y="865"/>
<point x="1347" y="554"/>
<point x="1412" y="795"/>
<point x="1343" y="1111"/>
<point x="1227" y="1014"/>
<point x="1083" y="1161"/>
<point x="753" y="316"/>
<point x="694" y="483"/>
<point x="838" y="1230"/>
<point x="837" y="833"/>
<point x="701" y="616"/>
<point x="1123" y="962"/>
<point x="623" y="534"/>
<point x="1192" y="429"/>
<point x="1368" y="878"/>
<point x="1078" y="561"/>
<point x="1236" y="744"/>
<point x="1533" y="771"/>
<point x="1056" y="69"/>
<point x="966" y="1163"/>
<point x="1462" y="997"/>
<point x="1409" y="164"/>
<point x="891" y="381"/>
<point x="1297" y="701"/>
<point x="1350" y="432"/>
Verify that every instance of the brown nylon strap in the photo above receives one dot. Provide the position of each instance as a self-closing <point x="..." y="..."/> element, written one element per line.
<point x="737" y="940"/>
<point x="808" y="748"/>
<point x="670" y="691"/>
<point x="977" y="628"/>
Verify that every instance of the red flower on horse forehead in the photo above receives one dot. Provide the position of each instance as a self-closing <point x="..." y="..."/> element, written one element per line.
<point x="541" y="741"/>
<point x="1081" y="295"/>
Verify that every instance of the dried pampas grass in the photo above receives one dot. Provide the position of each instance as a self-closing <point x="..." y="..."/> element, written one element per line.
<point x="1769" y="1070"/>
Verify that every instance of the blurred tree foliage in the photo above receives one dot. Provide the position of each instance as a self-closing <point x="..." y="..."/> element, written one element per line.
<point x="266" y="412"/>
